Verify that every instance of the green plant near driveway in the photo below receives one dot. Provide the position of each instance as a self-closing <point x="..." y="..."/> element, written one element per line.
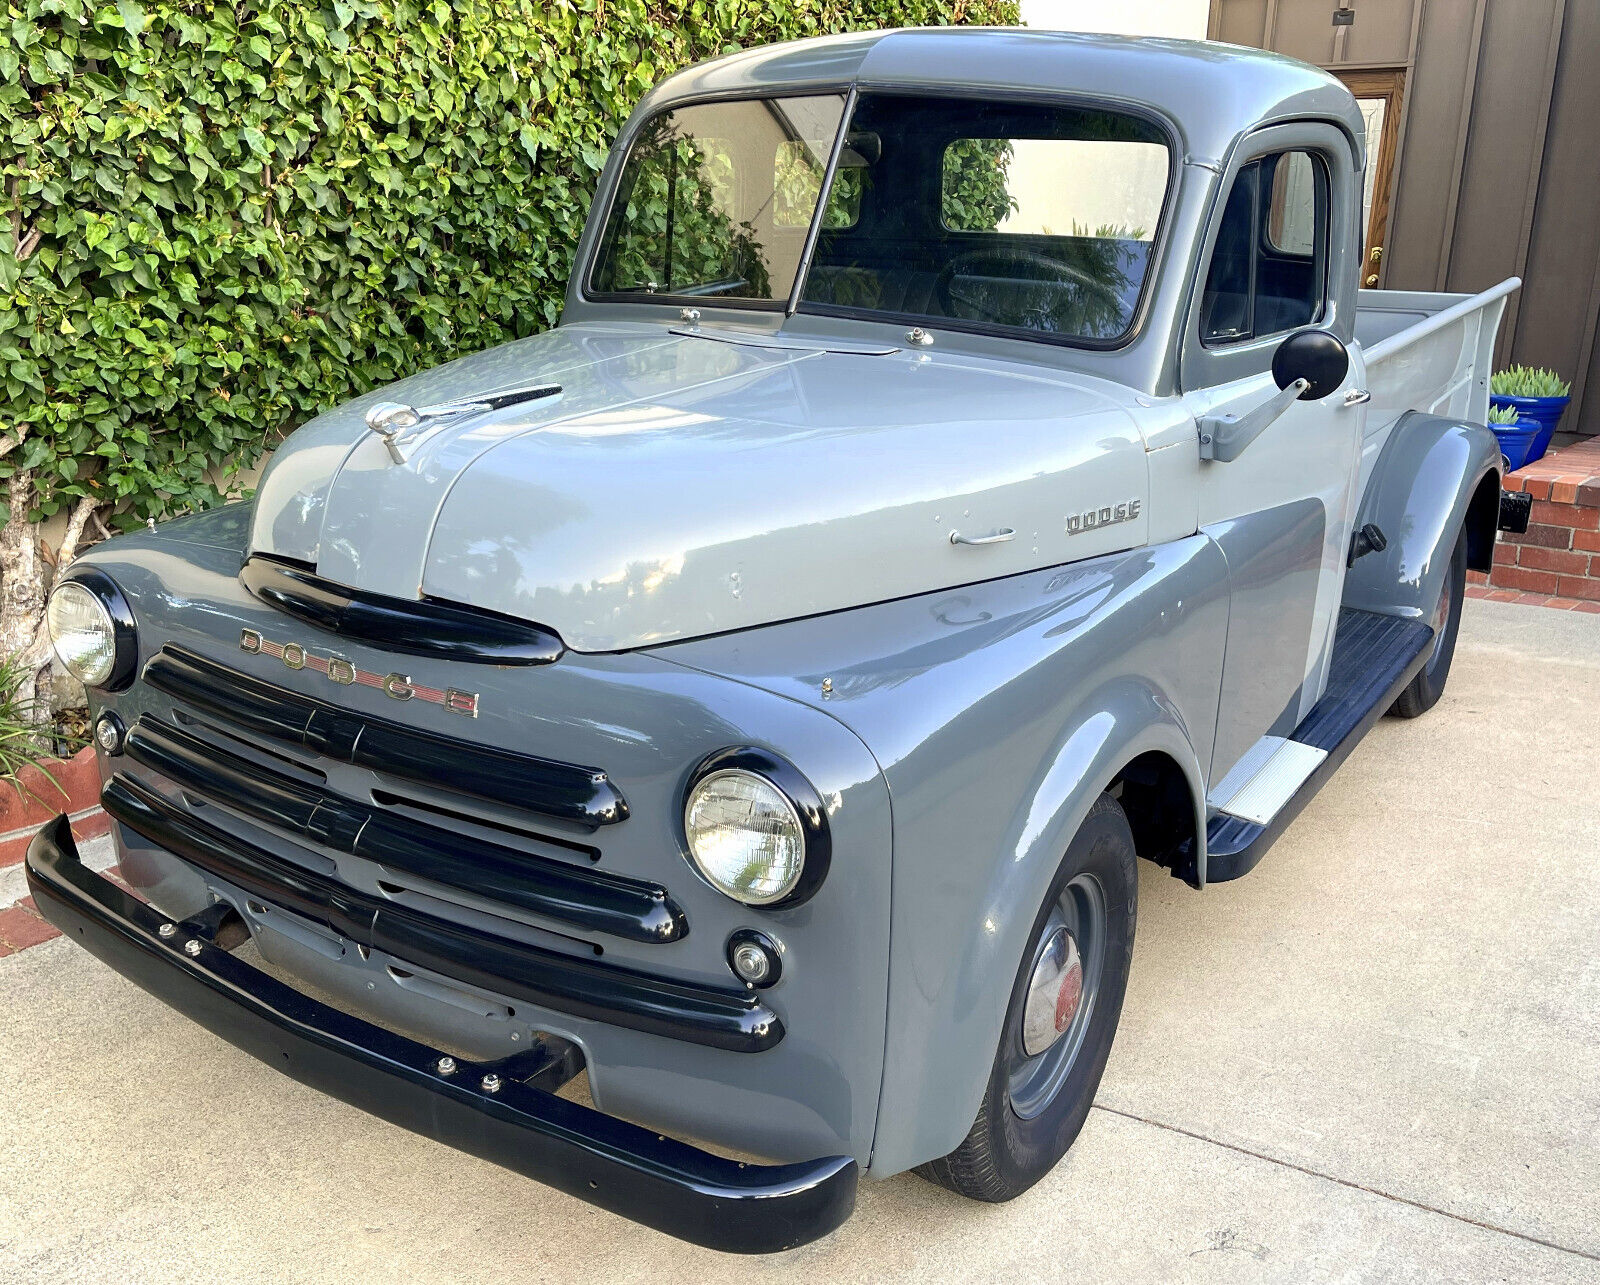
<point x="220" y="219"/>
<point x="1526" y="381"/>
<point x="1503" y="414"/>
<point x="22" y="742"/>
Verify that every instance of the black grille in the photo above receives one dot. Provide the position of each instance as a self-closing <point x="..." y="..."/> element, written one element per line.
<point x="587" y="899"/>
<point x="726" y="1019"/>
<point x="565" y="791"/>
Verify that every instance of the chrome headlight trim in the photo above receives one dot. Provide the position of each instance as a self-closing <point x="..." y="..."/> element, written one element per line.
<point x="803" y="800"/>
<point x="124" y="633"/>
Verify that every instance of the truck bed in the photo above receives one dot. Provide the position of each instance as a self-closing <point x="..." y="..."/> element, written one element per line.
<point x="1427" y="352"/>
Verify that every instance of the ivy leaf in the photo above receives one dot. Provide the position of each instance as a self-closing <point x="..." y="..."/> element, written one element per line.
<point x="132" y="14"/>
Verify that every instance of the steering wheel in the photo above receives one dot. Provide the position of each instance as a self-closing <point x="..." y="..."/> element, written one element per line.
<point x="945" y="293"/>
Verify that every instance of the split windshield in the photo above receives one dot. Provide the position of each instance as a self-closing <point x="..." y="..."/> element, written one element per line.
<point x="979" y="214"/>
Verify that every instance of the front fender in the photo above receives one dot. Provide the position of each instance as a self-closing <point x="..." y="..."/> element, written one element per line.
<point x="998" y="713"/>
<point x="957" y="948"/>
<point x="1429" y="479"/>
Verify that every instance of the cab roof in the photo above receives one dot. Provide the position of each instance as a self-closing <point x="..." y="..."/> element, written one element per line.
<point x="1212" y="93"/>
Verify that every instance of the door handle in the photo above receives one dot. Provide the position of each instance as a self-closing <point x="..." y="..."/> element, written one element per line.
<point x="994" y="537"/>
<point x="1357" y="397"/>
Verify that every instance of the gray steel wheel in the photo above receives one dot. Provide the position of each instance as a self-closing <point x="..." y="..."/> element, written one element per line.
<point x="1069" y="960"/>
<point x="1060" y="1019"/>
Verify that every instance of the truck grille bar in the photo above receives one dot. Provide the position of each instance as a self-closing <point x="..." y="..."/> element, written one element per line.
<point x="723" y="1019"/>
<point x="592" y="900"/>
<point x="565" y="791"/>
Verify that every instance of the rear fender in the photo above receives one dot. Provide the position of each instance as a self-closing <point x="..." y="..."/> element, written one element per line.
<point x="1433" y="476"/>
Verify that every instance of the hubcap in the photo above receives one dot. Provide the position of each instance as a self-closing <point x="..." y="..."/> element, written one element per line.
<point x="1068" y="960"/>
<point x="1055" y="993"/>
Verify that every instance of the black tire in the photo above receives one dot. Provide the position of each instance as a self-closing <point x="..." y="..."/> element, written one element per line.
<point x="1005" y="1153"/>
<point x="1422" y="692"/>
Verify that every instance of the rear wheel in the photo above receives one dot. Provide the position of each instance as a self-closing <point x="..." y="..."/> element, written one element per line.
<point x="1422" y="692"/>
<point x="1060" y="1021"/>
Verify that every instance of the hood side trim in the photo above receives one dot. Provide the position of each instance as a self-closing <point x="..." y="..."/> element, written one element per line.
<point x="470" y="635"/>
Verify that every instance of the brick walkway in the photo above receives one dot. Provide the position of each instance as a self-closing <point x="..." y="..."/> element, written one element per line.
<point x="21" y="926"/>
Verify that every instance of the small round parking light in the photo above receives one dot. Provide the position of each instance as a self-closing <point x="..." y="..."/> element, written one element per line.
<point x="755" y="958"/>
<point x="109" y="733"/>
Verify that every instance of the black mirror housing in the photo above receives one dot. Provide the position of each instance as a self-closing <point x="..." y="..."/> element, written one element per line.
<point x="1316" y="356"/>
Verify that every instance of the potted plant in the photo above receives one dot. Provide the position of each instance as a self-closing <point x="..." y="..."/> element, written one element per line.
<point x="1537" y="395"/>
<point x="45" y="767"/>
<point x="1517" y="435"/>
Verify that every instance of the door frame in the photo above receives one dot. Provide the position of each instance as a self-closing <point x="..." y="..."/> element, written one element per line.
<point x="1388" y="83"/>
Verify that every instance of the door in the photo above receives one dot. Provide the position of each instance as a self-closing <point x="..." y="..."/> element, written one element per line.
<point x="1378" y="94"/>
<point x="1281" y="510"/>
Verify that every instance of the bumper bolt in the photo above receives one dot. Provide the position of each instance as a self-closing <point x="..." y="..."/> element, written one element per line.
<point x="491" y="1083"/>
<point x="191" y="947"/>
<point x="447" y="1066"/>
<point x="167" y="930"/>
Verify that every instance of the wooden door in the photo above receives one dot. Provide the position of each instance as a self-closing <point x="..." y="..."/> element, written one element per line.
<point x="1379" y="95"/>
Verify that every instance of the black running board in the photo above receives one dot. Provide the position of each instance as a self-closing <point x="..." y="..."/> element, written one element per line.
<point x="1374" y="657"/>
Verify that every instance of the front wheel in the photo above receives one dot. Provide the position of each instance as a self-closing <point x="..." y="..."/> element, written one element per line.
<point x="1060" y="1021"/>
<point x="1422" y="693"/>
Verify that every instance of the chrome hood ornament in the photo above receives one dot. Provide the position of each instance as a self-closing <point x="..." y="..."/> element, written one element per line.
<point x="393" y="420"/>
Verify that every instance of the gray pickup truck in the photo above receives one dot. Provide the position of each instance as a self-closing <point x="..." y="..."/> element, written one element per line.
<point x="965" y="464"/>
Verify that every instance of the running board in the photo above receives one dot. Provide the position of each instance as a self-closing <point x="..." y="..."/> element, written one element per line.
<point x="1271" y="779"/>
<point x="1374" y="657"/>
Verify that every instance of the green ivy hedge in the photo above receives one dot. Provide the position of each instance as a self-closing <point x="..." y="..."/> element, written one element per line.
<point x="226" y="217"/>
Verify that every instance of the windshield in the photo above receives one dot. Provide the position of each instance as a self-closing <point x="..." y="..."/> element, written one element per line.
<point x="716" y="200"/>
<point x="976" y="214"/>
<point x="995" y="214"/>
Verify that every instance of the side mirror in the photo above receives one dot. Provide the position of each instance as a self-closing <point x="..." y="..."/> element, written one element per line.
<point x="1315" y="356"/>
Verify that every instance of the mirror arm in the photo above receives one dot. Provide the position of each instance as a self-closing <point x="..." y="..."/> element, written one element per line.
<point x="1223" y="437"/>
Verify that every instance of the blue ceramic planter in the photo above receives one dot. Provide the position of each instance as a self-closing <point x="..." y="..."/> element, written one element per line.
<point x="1543" y="411"/>
<point x="1519" y="442"/>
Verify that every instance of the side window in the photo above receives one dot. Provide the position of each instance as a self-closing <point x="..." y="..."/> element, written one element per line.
<point x="1269" y="264"/>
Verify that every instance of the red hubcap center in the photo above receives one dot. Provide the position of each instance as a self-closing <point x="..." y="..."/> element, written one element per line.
<point x="1070" y="995"/>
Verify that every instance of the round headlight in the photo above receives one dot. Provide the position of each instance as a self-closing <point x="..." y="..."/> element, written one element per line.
<point x="745" y="836"/>
<point x="84" y="635"/>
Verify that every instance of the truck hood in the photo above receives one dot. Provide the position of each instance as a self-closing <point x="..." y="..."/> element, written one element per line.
<point x="684" y="484"/>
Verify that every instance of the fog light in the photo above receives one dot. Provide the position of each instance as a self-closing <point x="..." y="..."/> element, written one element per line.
<point x="754" y="958"/>
<point x="108" y="733"/>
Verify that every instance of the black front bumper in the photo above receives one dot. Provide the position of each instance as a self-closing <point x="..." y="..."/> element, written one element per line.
<point x="661" y="1182"/>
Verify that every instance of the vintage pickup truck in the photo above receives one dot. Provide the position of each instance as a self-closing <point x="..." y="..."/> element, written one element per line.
<point x="965" y="464"/>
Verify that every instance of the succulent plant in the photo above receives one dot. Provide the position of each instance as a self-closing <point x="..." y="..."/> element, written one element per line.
<point x="1526" y="381"/>
<point x="1503" y="414"/>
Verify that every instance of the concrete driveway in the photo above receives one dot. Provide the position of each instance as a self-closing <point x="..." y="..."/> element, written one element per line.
<point x="1375" y="1058"/>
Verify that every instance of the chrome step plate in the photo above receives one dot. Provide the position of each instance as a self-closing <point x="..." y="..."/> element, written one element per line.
<point x="1274" y="783"/>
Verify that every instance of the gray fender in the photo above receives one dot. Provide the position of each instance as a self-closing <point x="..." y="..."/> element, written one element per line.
<point x="944" y="1032"/>
<point x="1432" y="476"/>
<point x="998" y="713"/>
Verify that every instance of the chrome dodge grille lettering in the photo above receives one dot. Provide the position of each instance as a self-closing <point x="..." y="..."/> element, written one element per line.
<point x="337" y="670"/>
